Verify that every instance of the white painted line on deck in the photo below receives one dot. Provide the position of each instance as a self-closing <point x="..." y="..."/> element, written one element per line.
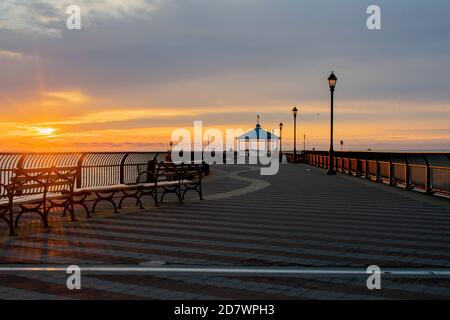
<point x="241" y="271"/>
<point x="255" y="185"/>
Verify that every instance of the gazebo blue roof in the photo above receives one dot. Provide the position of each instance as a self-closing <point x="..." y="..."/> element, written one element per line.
<point x="258" y="134"/>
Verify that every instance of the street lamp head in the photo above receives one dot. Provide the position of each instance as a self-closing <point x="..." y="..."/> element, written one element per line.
<point x="281" y="125"/>
<point x="295" y="111"/>
<point x="332" y="79"/>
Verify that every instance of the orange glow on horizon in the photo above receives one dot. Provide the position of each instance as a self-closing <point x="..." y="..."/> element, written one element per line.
<point x="70" y="120"/>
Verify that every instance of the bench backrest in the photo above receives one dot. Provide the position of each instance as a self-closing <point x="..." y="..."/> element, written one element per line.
<point x="147" y="172"/>
<point x="27" y="182"/>
<point x="62" y="180"/>
<point x="168" y="171"/>
<point x="192" y="171"/>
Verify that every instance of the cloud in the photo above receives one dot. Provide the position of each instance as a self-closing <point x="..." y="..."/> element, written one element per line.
<point x="12" y="54"/>
<point x="121" y="115"/>
<point x="49" y="16"/>
<point x="67" y="96"/>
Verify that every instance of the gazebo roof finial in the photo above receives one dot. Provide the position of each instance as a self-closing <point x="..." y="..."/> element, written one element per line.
<point x="258" y="133"/>
<point x="257" y="122"/>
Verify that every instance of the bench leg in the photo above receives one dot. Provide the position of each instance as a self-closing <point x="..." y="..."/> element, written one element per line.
<point x="108" y="199"/>
<point x="12" y="231"/>
<point x="45" y="220"/>
<point x="80" y="202"/>
<point x="43" y="212"/>
<point x="88" y="215"/>
<point x="200" y="192"/>
<point x="72" y="212"/>
<point x="10" y="224"/>
<point x="16" y="222"/>
<point x="138" y="201"/>
<point x="180" y="199"/>
<point x="197" y="188"/>
<point x="153" y="194"/>
<point x="134" y="195"/>
<point x="178" y="193"/>
<point x="184" y="192"/>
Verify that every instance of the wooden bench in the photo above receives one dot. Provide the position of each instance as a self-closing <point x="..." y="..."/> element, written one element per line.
<point x="170" y="178"/>
<point x="38" y="191"/>
<point x="152" y="178"/>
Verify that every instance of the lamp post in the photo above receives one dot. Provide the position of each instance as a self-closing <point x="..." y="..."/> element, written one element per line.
<point x="304" y="142"/>
<point x="332" y="79"/>
<point x="295" y="112"/>
<point x="281" y="141"/>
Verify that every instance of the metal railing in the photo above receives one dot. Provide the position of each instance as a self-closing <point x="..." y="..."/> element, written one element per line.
<point x="96" y="169"/>
<point x="427" y="172"/>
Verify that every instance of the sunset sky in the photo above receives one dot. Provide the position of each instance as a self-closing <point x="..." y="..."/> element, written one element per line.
<point x="138" y="69"/>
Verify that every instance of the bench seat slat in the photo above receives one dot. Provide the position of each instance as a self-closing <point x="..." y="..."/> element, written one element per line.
<point x="32" y="199"/>
<point x="119" y="187"/>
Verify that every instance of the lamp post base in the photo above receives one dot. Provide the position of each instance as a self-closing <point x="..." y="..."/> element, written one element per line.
<point x="331" y="172"/>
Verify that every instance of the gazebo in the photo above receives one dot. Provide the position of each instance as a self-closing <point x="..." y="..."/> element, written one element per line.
<point x="251" y="141"/>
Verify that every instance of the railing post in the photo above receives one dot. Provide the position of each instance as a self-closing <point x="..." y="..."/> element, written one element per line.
<point x="366" y="163"/>
<point x="391" y="172"/>
<point x="122" y="168"/>
<point x="428" y="188"/>
<point x="378" y="173"/>
<point x="407" y="174"/>
<point x="358" y="168"/>
<point x="79" y="168"/>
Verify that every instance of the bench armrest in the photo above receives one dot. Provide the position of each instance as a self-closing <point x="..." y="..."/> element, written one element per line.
<point x="150" y="175"/>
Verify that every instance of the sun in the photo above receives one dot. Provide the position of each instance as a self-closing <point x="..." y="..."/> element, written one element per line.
<point x="45" y="131"/>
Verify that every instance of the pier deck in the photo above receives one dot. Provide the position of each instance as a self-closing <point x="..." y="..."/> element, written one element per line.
<point x="299" y="220"/>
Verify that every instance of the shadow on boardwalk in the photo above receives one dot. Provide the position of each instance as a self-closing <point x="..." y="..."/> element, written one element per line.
<point x="299" y="218"/>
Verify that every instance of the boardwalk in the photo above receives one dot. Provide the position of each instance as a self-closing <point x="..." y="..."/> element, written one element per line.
<point x="299" y="218"/>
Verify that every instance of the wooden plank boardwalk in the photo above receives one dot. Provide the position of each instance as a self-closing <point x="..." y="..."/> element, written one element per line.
<point x="299" y="219"/>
